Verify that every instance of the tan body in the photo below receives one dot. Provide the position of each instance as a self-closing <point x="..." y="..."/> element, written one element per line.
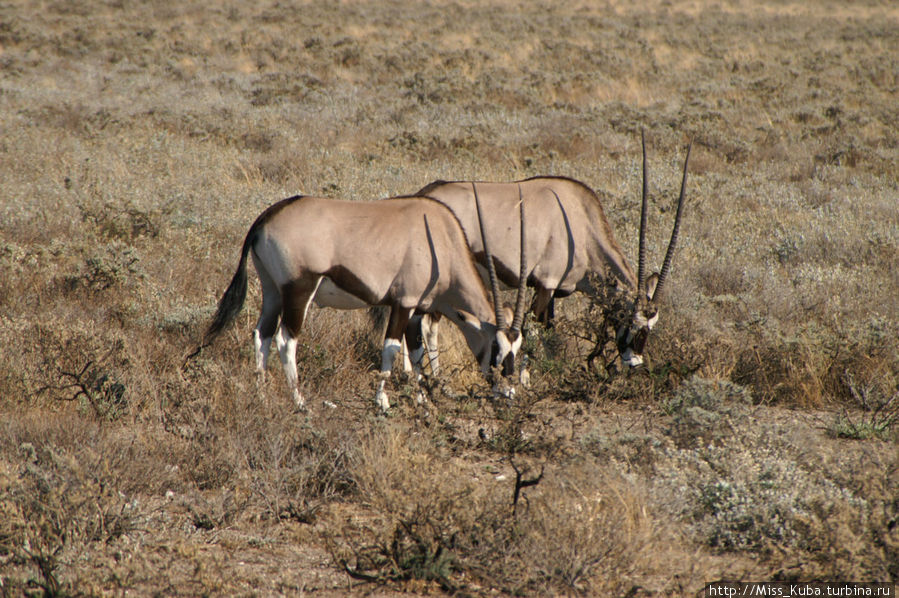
<point x="568" y="239"/>
<point x="406" y="253"/>
<point x="357" y="248"/>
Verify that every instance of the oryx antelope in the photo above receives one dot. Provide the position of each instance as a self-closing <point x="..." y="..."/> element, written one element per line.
<point x="568" y="239"/>
<point x="406" y="253"/>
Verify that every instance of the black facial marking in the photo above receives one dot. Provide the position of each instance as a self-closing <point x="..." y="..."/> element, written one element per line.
<point x="639" y="341"/>
<point x="508" y="363"/>
<point x="622" y="338"/>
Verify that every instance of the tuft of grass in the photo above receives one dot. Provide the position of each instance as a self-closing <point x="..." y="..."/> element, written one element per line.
<point x="706" y="411"/>
<point x="54" y="503"/>
<point x="878" y="417"/>
<point x="578" y="529"/>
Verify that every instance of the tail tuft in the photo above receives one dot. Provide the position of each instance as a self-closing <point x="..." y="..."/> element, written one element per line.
<point x="233" y="299"/>
<point x="229" y="305"/>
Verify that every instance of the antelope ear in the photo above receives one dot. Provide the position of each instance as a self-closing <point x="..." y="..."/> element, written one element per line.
<point x="469" y="319"/>
<point x="508" y="312"/>
<point x="651" y="284"/>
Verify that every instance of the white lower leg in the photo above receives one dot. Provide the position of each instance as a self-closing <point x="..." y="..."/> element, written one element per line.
<point x="381" y="399"/>
<point x="287" y="348"/>
<point x="524" y="377"/>
<point x="419" y="393"/>
<point x="429" y="340"/>
<point x="434" y="361"/>
<point x="262" y="348"/>
<point x="503" y="388"/>
<point x="392" y="346"/>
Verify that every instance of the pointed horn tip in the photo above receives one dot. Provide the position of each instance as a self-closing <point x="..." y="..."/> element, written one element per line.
<point x="672" y="243"/>
<point x="684" y="180"/>
<point x="641" y="252"/>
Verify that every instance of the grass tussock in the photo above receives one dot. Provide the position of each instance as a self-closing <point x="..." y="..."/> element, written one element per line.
<point x="444" y="520"/>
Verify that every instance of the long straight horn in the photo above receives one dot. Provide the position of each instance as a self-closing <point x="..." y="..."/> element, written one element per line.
<point x="666" y="265"/>
<point x="491" y="267"/>
<point x="522" y="271"/>
<point x="641" y="256"/>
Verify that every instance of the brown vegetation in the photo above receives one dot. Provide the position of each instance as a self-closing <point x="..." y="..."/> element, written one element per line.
<point x="139" y="141"/>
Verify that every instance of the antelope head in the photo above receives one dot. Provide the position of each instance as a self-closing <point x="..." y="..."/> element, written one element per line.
<point x="508" y="336"/>
<point x="641" y="313"/>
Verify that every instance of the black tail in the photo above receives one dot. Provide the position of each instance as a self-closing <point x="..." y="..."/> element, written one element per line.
<point x="233" y="299"/>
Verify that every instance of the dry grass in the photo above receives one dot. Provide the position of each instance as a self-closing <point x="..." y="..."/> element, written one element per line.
<point x="140" y="141"/>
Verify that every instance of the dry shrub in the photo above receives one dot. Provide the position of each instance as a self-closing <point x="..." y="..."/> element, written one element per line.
<point x="293" y="466"/>
<point x="55" y="502"/>
<point x="200" y="432"/>
<point x="127" y="223"/>
<point x="579" y="351"/>
<point x="106" y="266"/>
<point x="16" y="374"/>
<point x="789" y="373"/>
<point x="716" y="280"/>
<point x="704" y="411"/>
<point x="759" y="490"/>
<point x="813" y="365"/>
<point x="434" y="517"/>
<point x="254" y="439"/>
<point x="840" y="540"/>
<point x="72" y="364"/>
<point x="585" y="531"/>
<point x="414" y="525"/>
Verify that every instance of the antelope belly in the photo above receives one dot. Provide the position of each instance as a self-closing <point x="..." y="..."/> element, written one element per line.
<point x="330" y="295"/>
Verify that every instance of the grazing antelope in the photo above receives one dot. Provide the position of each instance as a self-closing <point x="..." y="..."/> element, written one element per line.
<point x="406" y="253"/>
<point x="569" y="238"/>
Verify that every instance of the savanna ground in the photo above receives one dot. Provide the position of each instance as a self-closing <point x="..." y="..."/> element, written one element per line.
<point x="139" y="141"/>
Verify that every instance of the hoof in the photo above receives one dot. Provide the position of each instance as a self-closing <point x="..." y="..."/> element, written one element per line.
<point x="382" y="401"/>
<point x="299" y="401"/>
<point x="503" y="389"/>
<point x="381" y="396"/>
<point x="525" y="378"/>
